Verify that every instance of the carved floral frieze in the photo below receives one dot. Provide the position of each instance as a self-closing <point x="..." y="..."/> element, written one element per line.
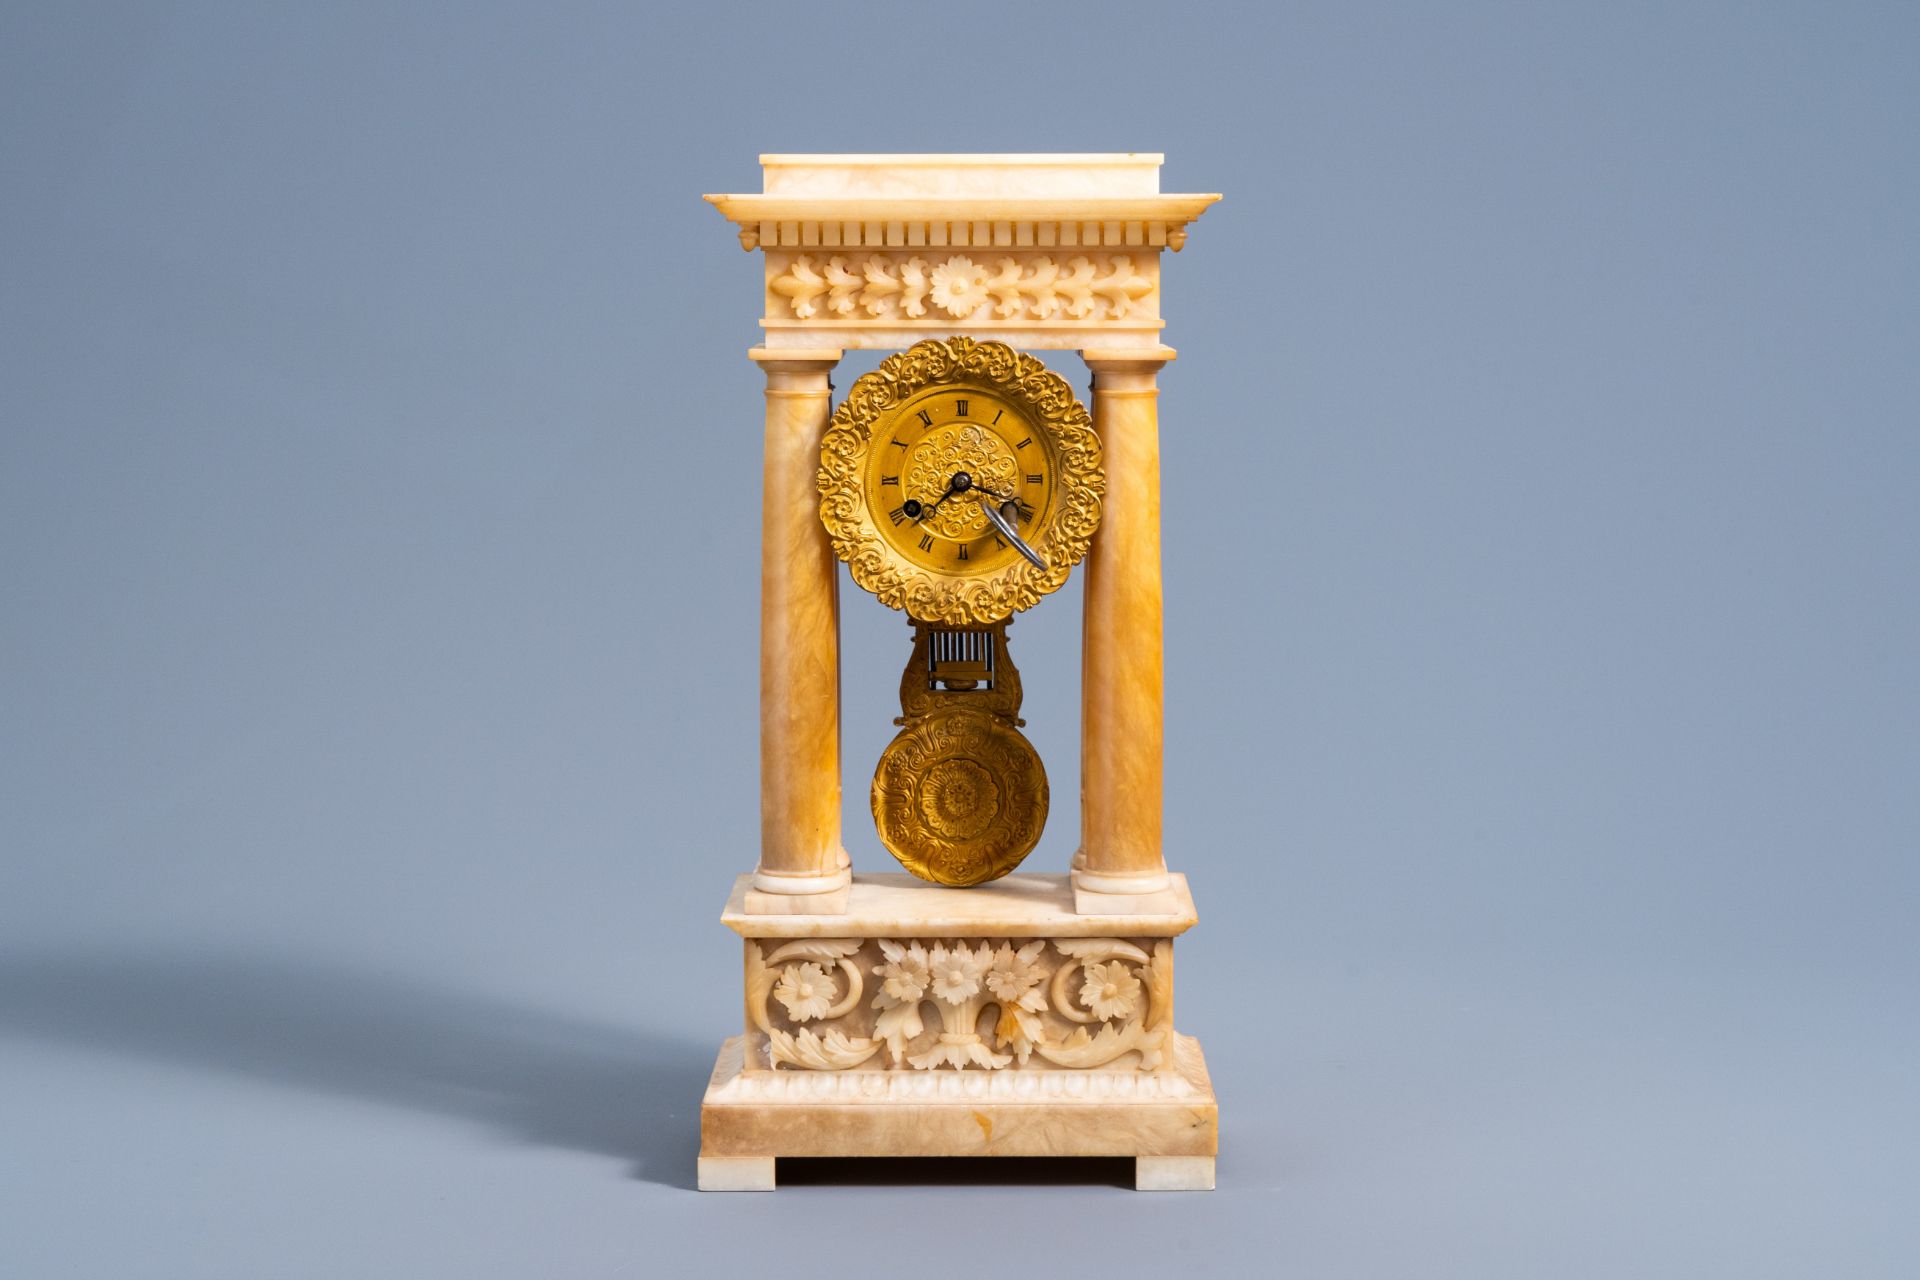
<point x="991" y="1005"/>
<point x="959" y="287"/>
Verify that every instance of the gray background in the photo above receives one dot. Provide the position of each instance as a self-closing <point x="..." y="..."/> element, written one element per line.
<point x="378" y="484"/>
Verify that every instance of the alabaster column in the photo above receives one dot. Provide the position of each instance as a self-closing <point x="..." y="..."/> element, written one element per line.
<point x="800" y="850"/>
<point x="1121" y="727"/>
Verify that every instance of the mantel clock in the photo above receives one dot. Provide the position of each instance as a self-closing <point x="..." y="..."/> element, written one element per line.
<point x="971" y="1007"/>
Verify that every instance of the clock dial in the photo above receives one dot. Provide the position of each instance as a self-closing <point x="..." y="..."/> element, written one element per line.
<point x="942" y="456"/>
<point x="960" y="481"/>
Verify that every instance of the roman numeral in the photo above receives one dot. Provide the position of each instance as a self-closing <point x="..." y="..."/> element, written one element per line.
<point x="1026" y="509"/>
<point x="963" y="551"/>
<point x="1030" y="479"/>
<point x="895" y="480"/>
<point x="999" y="541"/>
<point x="996" y="417"/>
<point x="1024" y="443"/>
<point x="926" y="419"/>
<point x="898" y="444"/>
<point x="960" y="408"/>
<point x="926" y="542"/>
<point x="898" y="515"/>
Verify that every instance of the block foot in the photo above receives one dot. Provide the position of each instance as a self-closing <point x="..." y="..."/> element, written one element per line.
<point x="1173" y="1173"/>
<point x="737" y="1173"/>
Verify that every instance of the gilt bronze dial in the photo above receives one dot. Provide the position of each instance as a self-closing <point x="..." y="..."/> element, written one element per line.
<point x="960" y="481"/>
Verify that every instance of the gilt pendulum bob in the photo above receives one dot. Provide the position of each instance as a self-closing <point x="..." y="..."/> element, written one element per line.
<point x="960" y="483"/>
<point x="960" y="795"/>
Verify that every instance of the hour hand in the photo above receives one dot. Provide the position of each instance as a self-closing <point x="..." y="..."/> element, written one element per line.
<point x="999" y="521"/>
<point x="960" y="483"/>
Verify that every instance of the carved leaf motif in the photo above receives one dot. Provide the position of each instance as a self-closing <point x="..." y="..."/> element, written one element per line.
<point x="960" y="1055"/>
<point x="1121" y="286"/>
<point x="881" y="286"/>
<point x="800" y="284"/>
<point x="760" y="978"/>
<point x="1083" y="1050"/>
<point x="1160" y="985"/>
<point x="845" y="288"/>
<point x="1077" y="287"/>
<point x="815" y="949"/>
<point x="1153" y="1049"/>
<point x="1005" y="288"/>
<point x="1099" y="949"/>
<point x="896" y="1025"/>
<point x="1019" y="1029"/>
<point x="835" y="1051"/>
<point x="913" y="287"/>
<point x="1039" y="282"/>
<point x="904" y="979"/>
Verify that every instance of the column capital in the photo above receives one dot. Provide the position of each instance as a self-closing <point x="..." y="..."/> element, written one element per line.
<point x="1128" y="359"/>
<point x="1127" y="370"/>
<point x="795" y="360"/>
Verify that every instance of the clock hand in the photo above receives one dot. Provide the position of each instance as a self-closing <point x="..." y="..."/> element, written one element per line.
<point x="960" y="483"/>
<point x="1005" y="526"/>
<point x="963" y="483"/>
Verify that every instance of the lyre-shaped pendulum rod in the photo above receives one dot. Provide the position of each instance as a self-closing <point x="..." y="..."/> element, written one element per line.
<point x="966" y="664"/>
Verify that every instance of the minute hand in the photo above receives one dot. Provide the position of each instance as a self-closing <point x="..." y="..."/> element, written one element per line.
<point x="1007" y="531"/>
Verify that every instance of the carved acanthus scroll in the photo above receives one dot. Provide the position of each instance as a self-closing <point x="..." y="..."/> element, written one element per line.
<point x="1075" y="1003"/>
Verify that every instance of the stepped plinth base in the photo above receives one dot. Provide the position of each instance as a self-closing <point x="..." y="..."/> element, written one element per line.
<point x="997" y="1021"/>
<point x="1172" y="1130"/>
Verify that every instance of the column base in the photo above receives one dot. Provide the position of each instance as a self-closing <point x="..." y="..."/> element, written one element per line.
<point x="758" y="902"/>
<point x="777" y="895"/>
<point x="1096" y="894"/>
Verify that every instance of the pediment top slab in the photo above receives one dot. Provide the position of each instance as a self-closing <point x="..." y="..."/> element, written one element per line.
<point x="924" y="190"/>
<point x="942" y="175"/>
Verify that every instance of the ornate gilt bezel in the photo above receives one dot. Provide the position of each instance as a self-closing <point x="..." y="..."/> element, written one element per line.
<point x="1042" y="395"/>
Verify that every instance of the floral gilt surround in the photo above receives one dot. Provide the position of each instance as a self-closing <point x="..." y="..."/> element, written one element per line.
<point x="918" y="1005"/>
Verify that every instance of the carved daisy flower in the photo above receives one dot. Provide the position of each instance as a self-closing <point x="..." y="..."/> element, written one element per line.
<point x="905" y="974"/>
<point x="1014" y="973"/>
<point x="806" y="991"/>
<point x="957" y="972"/>
<point x="1110" y="990"/>
<point x="959" y="287"/>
